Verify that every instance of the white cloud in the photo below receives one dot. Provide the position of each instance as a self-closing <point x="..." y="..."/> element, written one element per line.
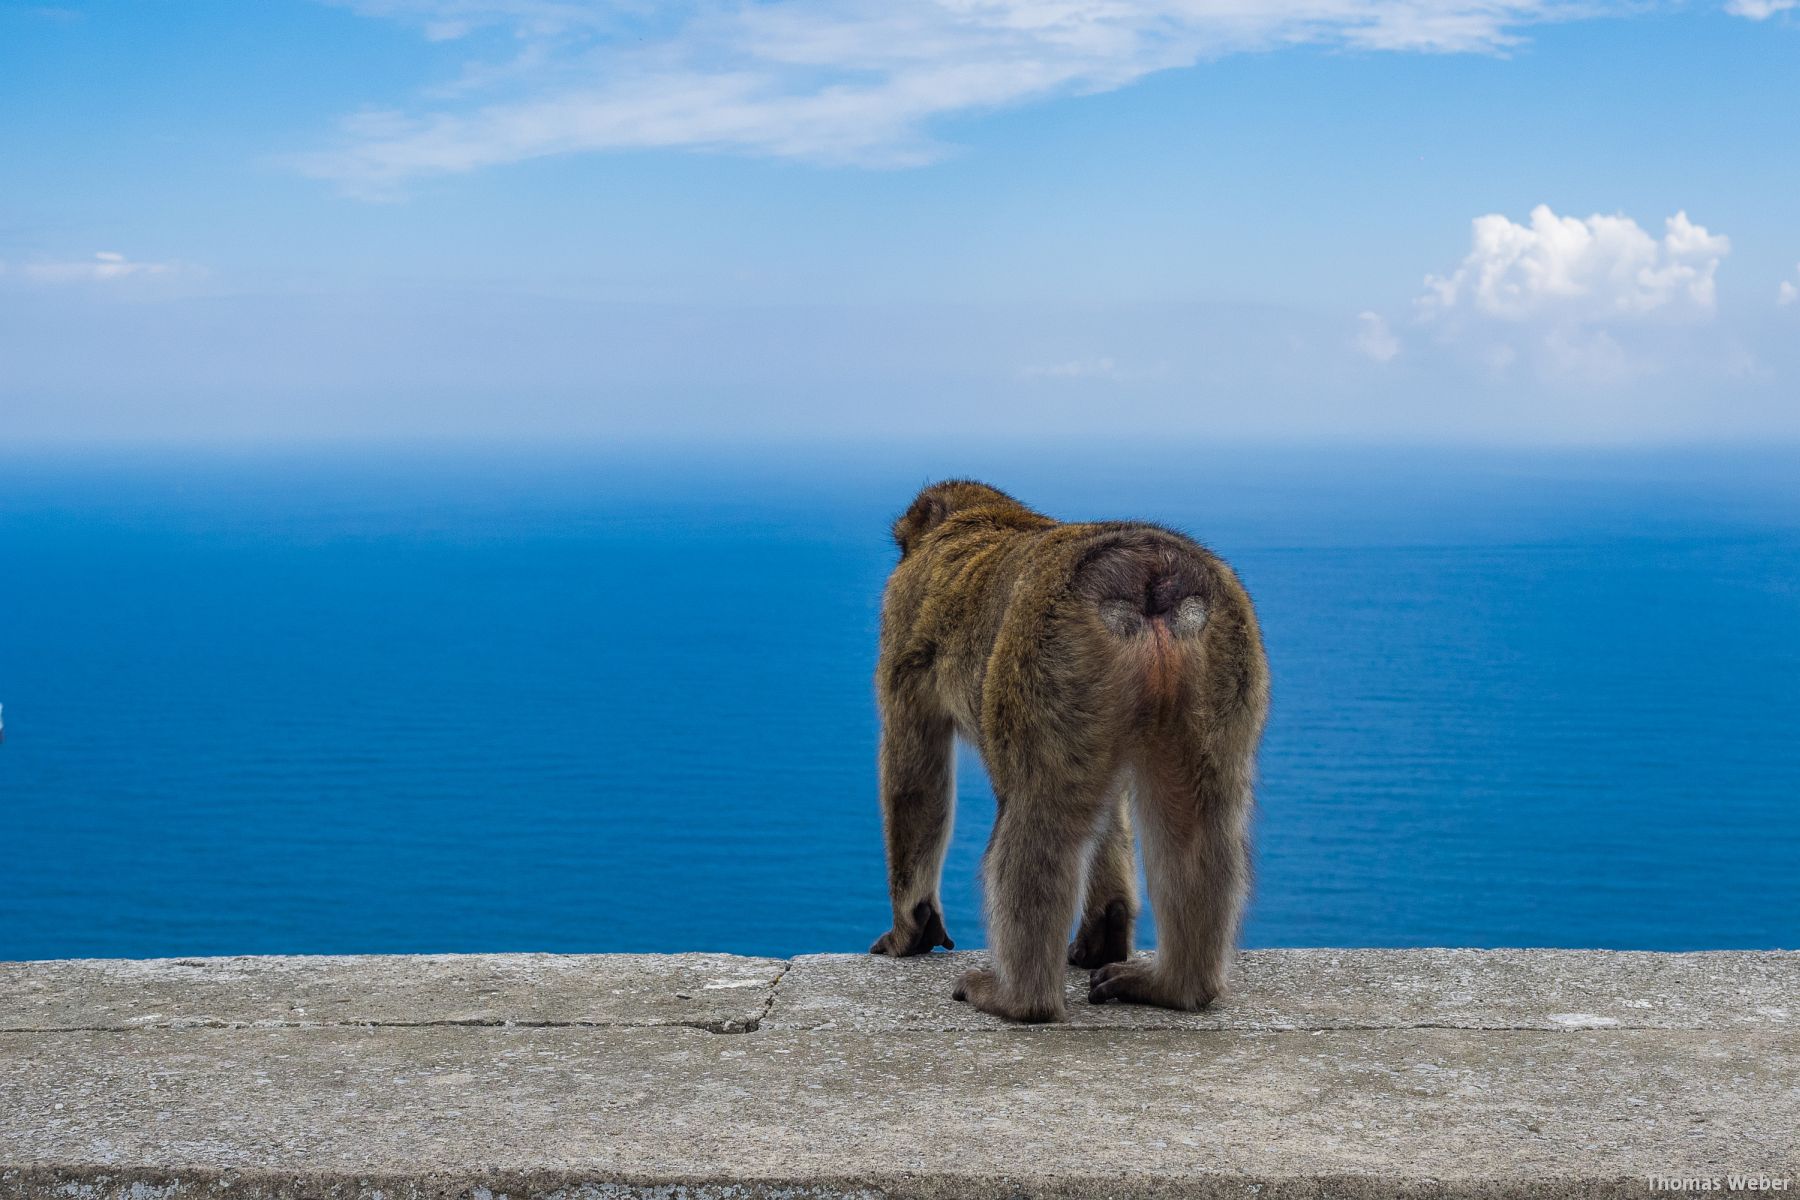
<point x="1759" y="10"/>
<point x="1374" y="339"/>
<point x="106" y="266"/>
<point x="1787" y="293"/>
<point x="1564" y="269"/>
<point x="1596" y="302"/>
<point x="837" y="81"/>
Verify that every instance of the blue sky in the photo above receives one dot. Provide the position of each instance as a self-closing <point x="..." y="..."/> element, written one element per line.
<point x="1495" y="221"/>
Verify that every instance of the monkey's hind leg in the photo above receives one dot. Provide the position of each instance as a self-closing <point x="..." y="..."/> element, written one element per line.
<point x="917" y="802"/>
<point x="1032" y="877"/>
<point x="1194" y="812"/>
<point x="1110" y="910"/>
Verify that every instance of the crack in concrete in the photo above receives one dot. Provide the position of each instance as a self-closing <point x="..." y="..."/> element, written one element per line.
<point x="718" y="1025"/>
<point x="733" y="1026"/>
<point x="769" y="1003"/>
<point x="1070" y="1029"/>
<point x="726" y="1025"/>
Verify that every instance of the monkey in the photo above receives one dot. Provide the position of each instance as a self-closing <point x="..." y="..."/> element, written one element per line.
<point x="1112" y="677"/>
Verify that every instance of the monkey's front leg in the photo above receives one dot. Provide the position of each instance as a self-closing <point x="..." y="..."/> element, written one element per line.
<point x="1107" y="916"/>
<point x="917" y="801"/>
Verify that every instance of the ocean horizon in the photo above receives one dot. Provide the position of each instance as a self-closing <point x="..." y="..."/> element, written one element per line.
<point x="359" y="700"/>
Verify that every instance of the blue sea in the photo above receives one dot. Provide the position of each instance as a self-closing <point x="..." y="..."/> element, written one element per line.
<point x="349" y="700"/>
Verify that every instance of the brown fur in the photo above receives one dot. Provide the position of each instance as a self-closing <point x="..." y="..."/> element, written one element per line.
<point x="1109" y="674"/>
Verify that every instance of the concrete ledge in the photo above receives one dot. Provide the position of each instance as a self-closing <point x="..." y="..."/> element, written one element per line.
<point x="1330" y="1073"/>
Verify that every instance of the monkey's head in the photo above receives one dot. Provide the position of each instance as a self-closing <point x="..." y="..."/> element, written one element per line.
<point x="937" y="503"/>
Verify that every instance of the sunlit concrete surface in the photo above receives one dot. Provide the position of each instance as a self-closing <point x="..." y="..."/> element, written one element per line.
<point x="1327" y="1073"/>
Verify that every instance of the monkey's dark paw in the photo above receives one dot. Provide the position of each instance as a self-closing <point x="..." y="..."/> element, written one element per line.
<point x="1103" y="938"/>
<point x="1137" y="982"/>
<point x="981" y="988"/>
<point x="926" y="931"/>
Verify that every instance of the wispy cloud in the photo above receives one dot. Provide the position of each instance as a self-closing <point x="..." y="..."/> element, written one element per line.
<point x="106" y="266"/>
<point x="833" y="81"/>
<point x="1759" y="10"/>
<point x="1099" y="367"/>
<point x="1788" y="293"/>
<point x="1374" y="339"/>
<point x="1075" y="368"/>
<point x="50" y="12"/>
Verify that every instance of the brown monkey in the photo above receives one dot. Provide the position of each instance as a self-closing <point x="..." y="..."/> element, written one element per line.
<point x="1109" y="674"/>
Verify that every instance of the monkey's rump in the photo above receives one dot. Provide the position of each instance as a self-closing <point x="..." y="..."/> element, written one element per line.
<point x="1143" y="580"/>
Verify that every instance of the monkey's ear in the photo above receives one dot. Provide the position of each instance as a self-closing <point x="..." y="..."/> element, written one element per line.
<point x="925" y="515"/>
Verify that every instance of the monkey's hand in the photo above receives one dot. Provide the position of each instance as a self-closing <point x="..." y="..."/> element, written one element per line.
<point x="1137" y="982"/>
<point x="924" y="932"/>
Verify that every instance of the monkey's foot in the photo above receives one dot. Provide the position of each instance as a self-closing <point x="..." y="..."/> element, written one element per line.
<point x="1104" y="937"/>
<point x="981" y="987"/>
<point x="1137" y="982"/>
<point x="921" y="934"/>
